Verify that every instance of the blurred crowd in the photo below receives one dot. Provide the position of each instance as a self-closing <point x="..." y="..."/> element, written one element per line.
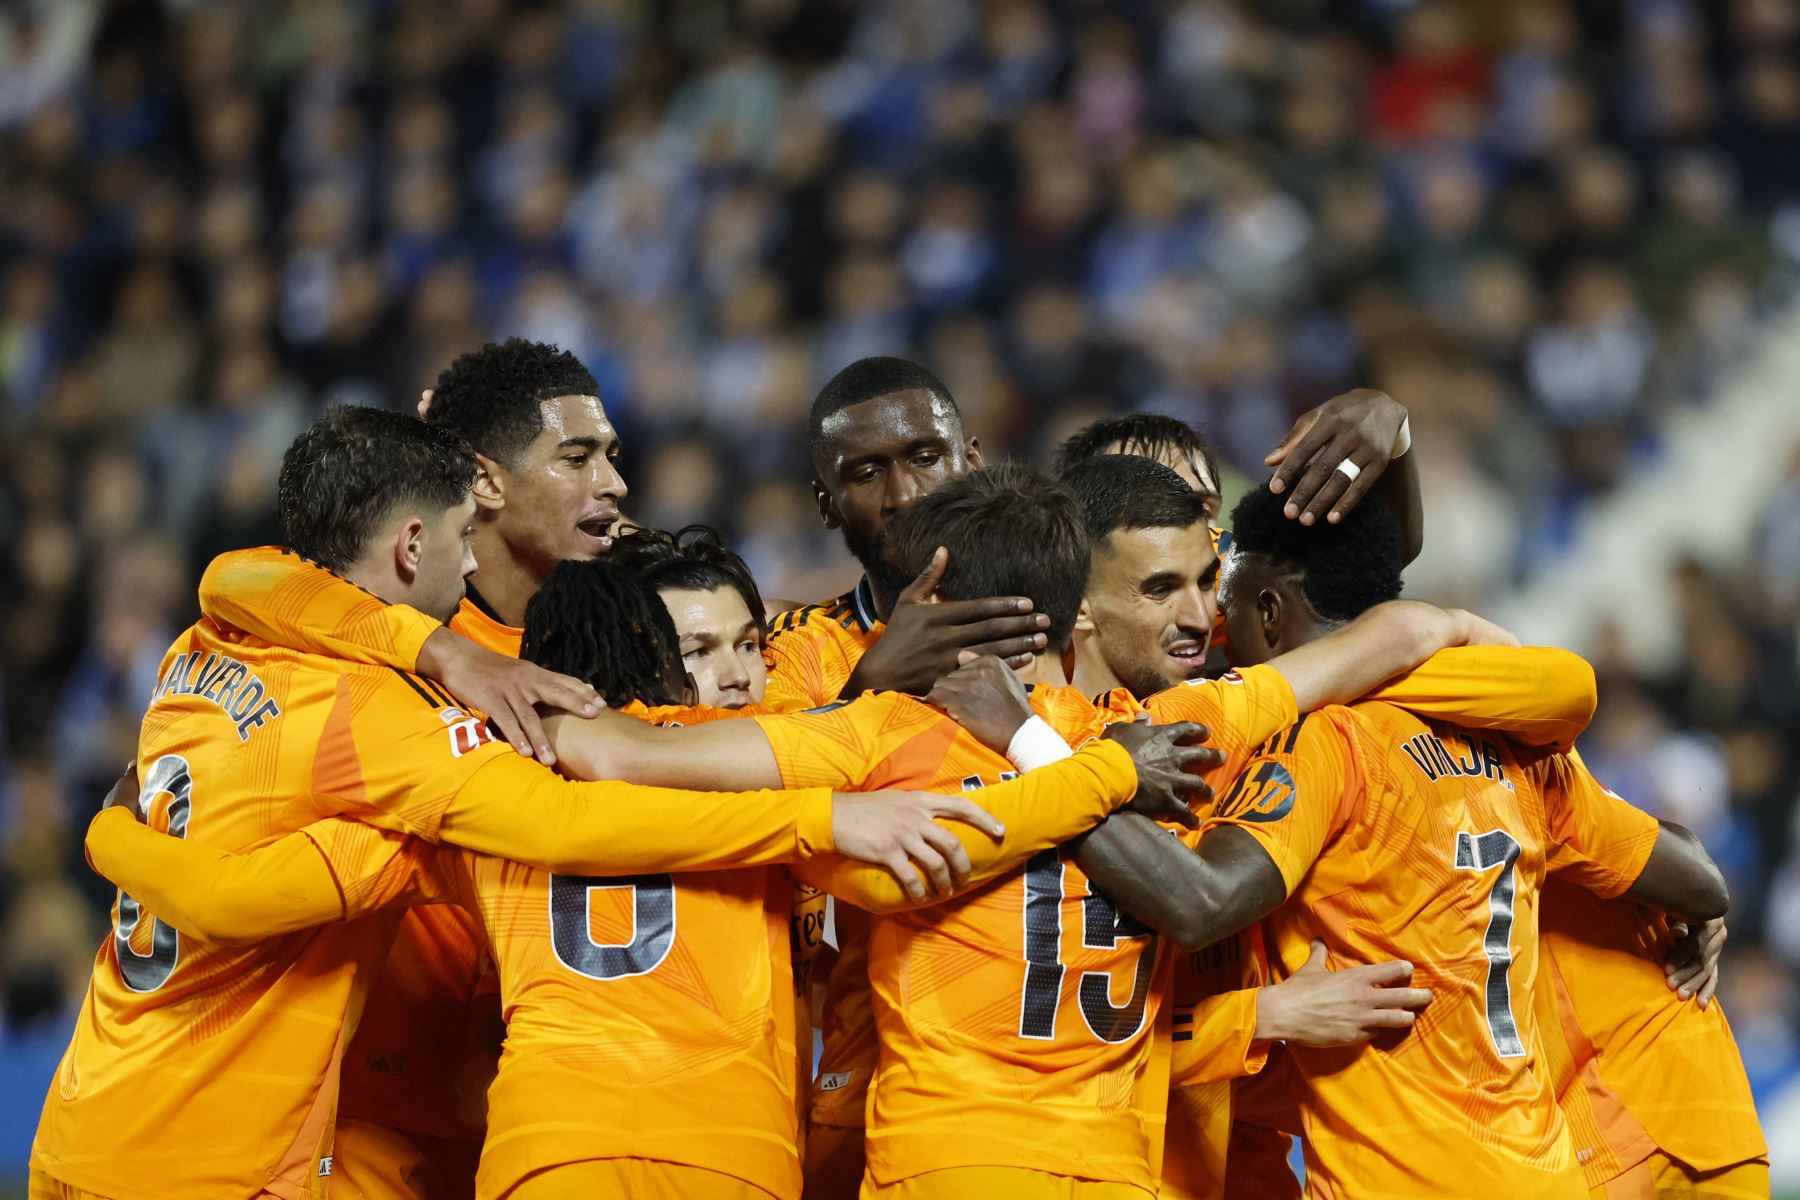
<point x="1545" y="225"/>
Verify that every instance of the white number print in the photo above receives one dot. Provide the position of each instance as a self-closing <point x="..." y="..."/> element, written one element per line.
<point x="1484" y="852"/>
<point x="147" y="972"/>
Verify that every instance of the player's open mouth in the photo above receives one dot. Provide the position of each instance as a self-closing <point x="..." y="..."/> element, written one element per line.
<point x="1189" y="653"/>
<point x="599" y="529"/>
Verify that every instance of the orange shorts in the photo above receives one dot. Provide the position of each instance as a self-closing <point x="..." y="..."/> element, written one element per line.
<point x="1660" y="1177"/>
<point x="631" y="1179"/>
<point x="375" y="1162"/>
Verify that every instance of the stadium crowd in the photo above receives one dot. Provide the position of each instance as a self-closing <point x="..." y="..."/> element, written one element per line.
<point x="1543" y="226"/>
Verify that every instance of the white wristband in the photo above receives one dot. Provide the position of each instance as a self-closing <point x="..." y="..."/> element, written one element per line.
<point x="1403" y="439"/>
<point x="1034" y="744"/>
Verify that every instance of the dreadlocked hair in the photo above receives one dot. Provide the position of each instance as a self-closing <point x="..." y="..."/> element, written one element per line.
<point x="605" y="626"/>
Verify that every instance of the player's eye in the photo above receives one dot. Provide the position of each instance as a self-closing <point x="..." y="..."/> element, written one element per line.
<point x="694" y="655"/>
<point x="750" y="647"/>
<point x="576" y="460"/>
<point x="930" y="459"/>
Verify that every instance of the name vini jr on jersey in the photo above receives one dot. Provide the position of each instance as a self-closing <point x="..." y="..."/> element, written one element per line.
<point x="224" y="681"/>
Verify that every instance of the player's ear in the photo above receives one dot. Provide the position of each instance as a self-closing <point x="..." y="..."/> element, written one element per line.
<point x="1269" y="614"/>
<point x="828" y="512"/>
<point x="409" y="548"/>
<point x="972" y="451"/>
<point x="489" y="488"/>
<point x="1084" y="617"/>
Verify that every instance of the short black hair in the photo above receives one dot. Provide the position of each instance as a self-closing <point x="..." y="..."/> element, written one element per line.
<point x="605" y="626"/>
<point x="1129" y="491"/>
<point x="1010" y="531"/>
<point x="494" y="396"/>
<point x="1152" y="435"/>
<point x="353" y="468"/>
<point x="694" y="557"/>
<point x="866" y="379"/>
<point x="1342" y="569"/>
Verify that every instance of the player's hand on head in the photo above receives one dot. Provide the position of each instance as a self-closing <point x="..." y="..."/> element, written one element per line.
<point x="508" y="690"/>
<point x="985" y="697"/>
<point x="1317" y="1006"/>
<point x="902" y="831"/>
<point x="925" y="638"/>
<point x="1170" y="760"/>
<point x="1360" y="428"/>
<point x="1692" y="963"/>
<point x="124" y="794"/>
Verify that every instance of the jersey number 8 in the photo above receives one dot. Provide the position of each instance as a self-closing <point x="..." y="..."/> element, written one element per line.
<point x="147" y="972"/>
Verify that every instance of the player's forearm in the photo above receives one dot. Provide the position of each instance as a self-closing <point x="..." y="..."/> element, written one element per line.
<point x="1681" y="879"/>
<point x="514" y="809"/>
<point x="1399" y="487"/>
<point x="1224" y="1040"/>
<point x="1191" y="897"/>
<point x="281" y="598"/>
<point x="1377" y="645"/>
<point x="717" y="755"/>
<point x="1538" y="695"/>
<point x="212" y="894"/>
<point x="1040" y="809"/>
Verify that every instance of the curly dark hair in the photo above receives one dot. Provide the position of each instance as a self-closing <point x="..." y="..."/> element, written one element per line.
<point x="602" y="624"/>
<point x="494" y="396"/>
<point x="694" y="557"/>
<point x="1149" y="434"/>
<point x="1342" y="569"/>
<point x="353" y="468"/>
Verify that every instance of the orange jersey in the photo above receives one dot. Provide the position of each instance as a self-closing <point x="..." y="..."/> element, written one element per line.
<point x="1673" y="1066"/>
<point x="1534" y="693"/>
<point x="813" y="650"/>
<point x="198" y="1070"/>
<point x="1399" y="838"/>
<point x="417" y="1062"/>
<point x="1007" y="1041"/>
<point x="676" y="989"/>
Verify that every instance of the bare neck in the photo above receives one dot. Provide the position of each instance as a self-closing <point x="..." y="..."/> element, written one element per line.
<point x="506" y="582"/>
<point x="1092" y="675"/>
<point x="1046" y="668"/>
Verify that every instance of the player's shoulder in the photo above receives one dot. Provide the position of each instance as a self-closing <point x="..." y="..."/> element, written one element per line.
<point x="850" y="616"/>
<point x="1325" y="731"/>
<point x="1071" y="713"/>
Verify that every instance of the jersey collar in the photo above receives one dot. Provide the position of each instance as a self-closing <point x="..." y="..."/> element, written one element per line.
<point x="862" y="605"/>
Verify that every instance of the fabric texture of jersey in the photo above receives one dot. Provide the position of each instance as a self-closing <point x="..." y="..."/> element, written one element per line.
<point x="242" y="742"/>
<point x="1398" y="838"/>
<point x="1673" y="1065"/>
<point x="812" y="652"/>
<point x="1016" y="1021"/>
<point x="814" y="649"/>
<point x="418" y="1062"/>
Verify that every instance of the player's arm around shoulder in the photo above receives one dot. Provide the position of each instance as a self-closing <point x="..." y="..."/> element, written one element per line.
<point x="1537" y="695"/>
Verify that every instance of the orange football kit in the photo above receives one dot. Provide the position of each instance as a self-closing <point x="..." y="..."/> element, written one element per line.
<point x="1403" y="838"/>
<point x="1653" y="1085"/>
<point x="252" y="741"/>
<point x="666" y="986"/>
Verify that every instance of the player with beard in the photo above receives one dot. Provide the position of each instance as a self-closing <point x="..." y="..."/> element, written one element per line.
<point x="1149" y="599"/>
<point x="548" y="489"/>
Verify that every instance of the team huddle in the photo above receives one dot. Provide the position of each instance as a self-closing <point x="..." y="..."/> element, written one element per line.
<point x="481" y="843"/>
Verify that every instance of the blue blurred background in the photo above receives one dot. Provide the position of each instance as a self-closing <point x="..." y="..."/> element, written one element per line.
<point x="1565" y="232"/>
